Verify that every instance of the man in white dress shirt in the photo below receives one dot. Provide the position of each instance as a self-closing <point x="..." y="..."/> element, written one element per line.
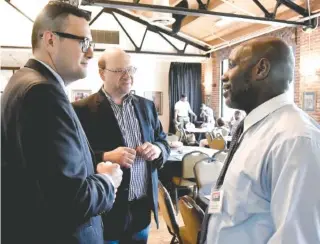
<point x="181" y="111"/>
<point x="270" y="190"/>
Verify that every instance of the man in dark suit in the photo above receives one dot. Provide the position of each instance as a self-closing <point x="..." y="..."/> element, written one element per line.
<point x="50" y="192"/>
<point x="124" y="128"/>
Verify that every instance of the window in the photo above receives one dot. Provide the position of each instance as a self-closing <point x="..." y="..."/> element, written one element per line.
<point x="225" y="112"/>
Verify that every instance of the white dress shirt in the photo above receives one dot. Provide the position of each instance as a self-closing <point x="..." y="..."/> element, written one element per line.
<point x="271" y="190"/>
<point x="56" y="75"/>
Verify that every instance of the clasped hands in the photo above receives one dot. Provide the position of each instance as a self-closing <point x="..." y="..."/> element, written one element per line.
<point x="125" y="156"/>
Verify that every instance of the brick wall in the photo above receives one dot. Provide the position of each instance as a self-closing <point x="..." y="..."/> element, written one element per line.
<point x="299" y="40"/>
<point x="307" y="62"/>
<point x="216" y="84"/>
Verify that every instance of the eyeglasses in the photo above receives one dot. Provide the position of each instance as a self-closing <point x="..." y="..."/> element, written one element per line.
<point x="129" y="70"/>
<point x="84" y="41"/>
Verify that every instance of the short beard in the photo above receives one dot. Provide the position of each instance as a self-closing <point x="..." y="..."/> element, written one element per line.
<point x="247" y="95"/>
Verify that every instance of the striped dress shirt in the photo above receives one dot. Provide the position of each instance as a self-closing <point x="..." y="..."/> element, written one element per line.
<point x="130" y="130"/>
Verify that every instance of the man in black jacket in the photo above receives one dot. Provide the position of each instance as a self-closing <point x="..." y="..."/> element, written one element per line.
<point x="50" y="192"/>
<point x="124" y="128"/>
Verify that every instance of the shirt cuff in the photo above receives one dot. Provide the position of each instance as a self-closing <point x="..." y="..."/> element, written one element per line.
<point x="110" y="179"/>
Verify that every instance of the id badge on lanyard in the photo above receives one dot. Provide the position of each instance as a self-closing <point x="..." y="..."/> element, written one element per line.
<point x="216" y="200"/>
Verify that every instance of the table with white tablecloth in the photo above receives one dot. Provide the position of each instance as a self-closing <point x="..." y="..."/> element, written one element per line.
<point x="177" y="154"/>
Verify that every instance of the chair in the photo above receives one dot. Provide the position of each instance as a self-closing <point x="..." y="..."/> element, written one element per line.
<point x="188" y="139"/>
<point x="207" y="171"/>
<point x="221" y="155"/>
<point x="180" y="133"/>
<point x="187" y="178"/>
<point x="172" y="138"/>
<point x="192" y="216"/>
<point x="221" y="130"/>
<point x="169" y="216"/>
<point x="217" y="142"/>
<point x="173" y="141"/>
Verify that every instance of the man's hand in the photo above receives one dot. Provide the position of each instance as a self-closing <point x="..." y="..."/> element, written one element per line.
<point x="149" y="151"/>
<point x="112" y="170"/>
<point x="123" y="156"/>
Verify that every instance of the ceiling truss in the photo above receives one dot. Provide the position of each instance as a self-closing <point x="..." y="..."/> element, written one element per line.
<point x="158" y="30"/>
<point x="149" y="27"/>
<point x="114" y="8"/>
<point x="269" y="17"/>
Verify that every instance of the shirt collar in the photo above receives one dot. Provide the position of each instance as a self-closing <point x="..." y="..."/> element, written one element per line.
<point x="56" y="75"/>
<point x="265" y="109"/>
<point x="127" y="98"/>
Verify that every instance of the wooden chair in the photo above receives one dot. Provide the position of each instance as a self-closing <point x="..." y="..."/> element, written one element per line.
<point x="192" y="216"/>
<point x="217" y="142"/>
<point x="179" y="234"/>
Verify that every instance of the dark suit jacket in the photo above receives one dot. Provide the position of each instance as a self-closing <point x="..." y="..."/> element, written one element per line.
<point x="49" y="190"/>
<point x="102" y="129"/>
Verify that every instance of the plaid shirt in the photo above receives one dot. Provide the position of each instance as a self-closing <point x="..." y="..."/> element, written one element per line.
<point x="130" y="130"/>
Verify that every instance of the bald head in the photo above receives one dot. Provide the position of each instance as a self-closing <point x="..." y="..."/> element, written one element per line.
<point x="278" y="54"/>
<point x="258" y="71"/>
<point x="116" y="71"/>
<point x="113" y="57"/>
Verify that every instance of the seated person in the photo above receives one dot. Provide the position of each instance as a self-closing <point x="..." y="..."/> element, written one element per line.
<point x="207" y="114"/>
<point x="219" y="129"/>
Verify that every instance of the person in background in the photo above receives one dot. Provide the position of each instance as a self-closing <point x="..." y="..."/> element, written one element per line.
<point x="207" y="114"/>
<point x="234" y="122"/>
<point x="125" y="129"/>
<point x="182" y="110"/>
<point x="273" y="163"/>
<point x="219" y="129"/>
<point x="51" y="190"/>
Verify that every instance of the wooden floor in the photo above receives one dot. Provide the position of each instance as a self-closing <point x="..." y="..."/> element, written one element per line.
<point x="161" y="235"/>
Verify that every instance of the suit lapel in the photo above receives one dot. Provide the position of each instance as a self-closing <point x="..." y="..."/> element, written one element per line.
<point x="107" y="117"/>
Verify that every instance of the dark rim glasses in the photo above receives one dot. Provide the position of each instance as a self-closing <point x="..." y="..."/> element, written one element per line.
<point x="84" y="41"/>
<point x="129" y="70"/>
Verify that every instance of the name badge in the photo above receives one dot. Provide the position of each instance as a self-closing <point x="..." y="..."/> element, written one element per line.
<point x="215" y="204"/>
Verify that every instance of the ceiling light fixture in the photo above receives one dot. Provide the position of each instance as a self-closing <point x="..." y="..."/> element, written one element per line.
<point x="161" y="18"/>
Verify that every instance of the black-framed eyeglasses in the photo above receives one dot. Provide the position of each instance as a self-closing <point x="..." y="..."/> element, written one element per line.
<point x="131" y="70"/>
<point x="84" y="41"/>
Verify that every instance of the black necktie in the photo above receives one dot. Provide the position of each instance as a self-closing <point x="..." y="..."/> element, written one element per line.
<point x="233" y="148"/>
